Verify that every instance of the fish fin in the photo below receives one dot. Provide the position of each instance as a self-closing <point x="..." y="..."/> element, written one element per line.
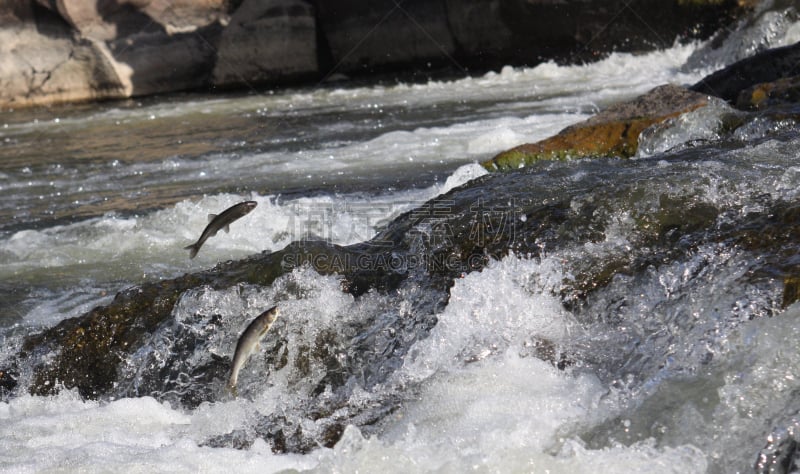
<point x="211" y="217"/>
<point x="227" y="229"/>
<point x="192" y="250"/>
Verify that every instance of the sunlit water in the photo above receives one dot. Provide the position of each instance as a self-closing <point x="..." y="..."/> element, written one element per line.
<point x="97" y="198"/>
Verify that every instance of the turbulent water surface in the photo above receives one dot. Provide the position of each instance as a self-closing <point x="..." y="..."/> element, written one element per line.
<point x="685" y="361"/>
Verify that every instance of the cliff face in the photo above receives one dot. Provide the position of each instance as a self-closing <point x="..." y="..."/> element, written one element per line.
<point x="73" y="50"/>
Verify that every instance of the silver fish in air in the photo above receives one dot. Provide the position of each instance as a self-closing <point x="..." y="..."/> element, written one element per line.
<point x="248" y="343"/>
<point x="219" y="222"/>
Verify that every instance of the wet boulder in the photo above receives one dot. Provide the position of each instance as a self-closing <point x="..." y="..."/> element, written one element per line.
<point x="613" y="132"/>
<point x="765" y="84"/>
<point x="765" y="67"/>
<point x="781" y="454"/>
<point x="109" y="20"/>
<point x="363" y="35"/>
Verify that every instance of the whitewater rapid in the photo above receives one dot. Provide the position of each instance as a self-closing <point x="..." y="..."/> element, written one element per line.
<point x="340" y="164"/>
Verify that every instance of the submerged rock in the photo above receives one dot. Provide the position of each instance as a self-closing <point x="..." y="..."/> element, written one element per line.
<point x="8" y="382"/>
<point x="613" y="132"/>
<point x="791" y="290"/>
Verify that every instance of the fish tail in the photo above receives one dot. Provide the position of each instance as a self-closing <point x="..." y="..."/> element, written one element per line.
<point x="232" y="390"/>
<point x="192" y="250"/>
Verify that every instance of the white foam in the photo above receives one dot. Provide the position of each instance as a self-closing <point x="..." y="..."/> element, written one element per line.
<point x="507" y="417"/>
<point x="505" y="305"/>
<point x="504" y="411"/>
<point x="66" y="434"/>
<point x="760" y="382"/>
<point x="502" y="138"/>
<point x="396" y="151"/>
<point x="487" y="403"/>
<point x="462" y="176"/>
<point x="792" y="35"/>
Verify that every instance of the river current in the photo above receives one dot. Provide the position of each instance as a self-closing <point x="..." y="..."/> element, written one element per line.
<point x="97" y="198"/>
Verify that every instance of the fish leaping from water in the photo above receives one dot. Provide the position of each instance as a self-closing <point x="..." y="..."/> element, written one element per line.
<point x="248" y="343"/>
<point x="221" y="222"/>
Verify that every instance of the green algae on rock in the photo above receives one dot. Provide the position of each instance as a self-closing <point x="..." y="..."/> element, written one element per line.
<point x="613" y="132"/>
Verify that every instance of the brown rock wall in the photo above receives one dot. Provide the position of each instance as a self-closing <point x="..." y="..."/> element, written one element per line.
<point x="72" y="50"/>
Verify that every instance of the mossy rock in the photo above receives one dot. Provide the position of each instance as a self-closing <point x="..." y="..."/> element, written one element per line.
<point x="613" y="132"/>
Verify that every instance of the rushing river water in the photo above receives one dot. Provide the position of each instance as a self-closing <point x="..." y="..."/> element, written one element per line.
<point x="685" y="363"/>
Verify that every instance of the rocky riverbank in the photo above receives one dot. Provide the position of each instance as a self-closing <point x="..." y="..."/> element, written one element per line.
<point x="73" y="50"/>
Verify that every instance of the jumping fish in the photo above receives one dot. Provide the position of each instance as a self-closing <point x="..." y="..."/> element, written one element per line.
<point x="222" y="221"/>
<point x="248" y="343"/>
